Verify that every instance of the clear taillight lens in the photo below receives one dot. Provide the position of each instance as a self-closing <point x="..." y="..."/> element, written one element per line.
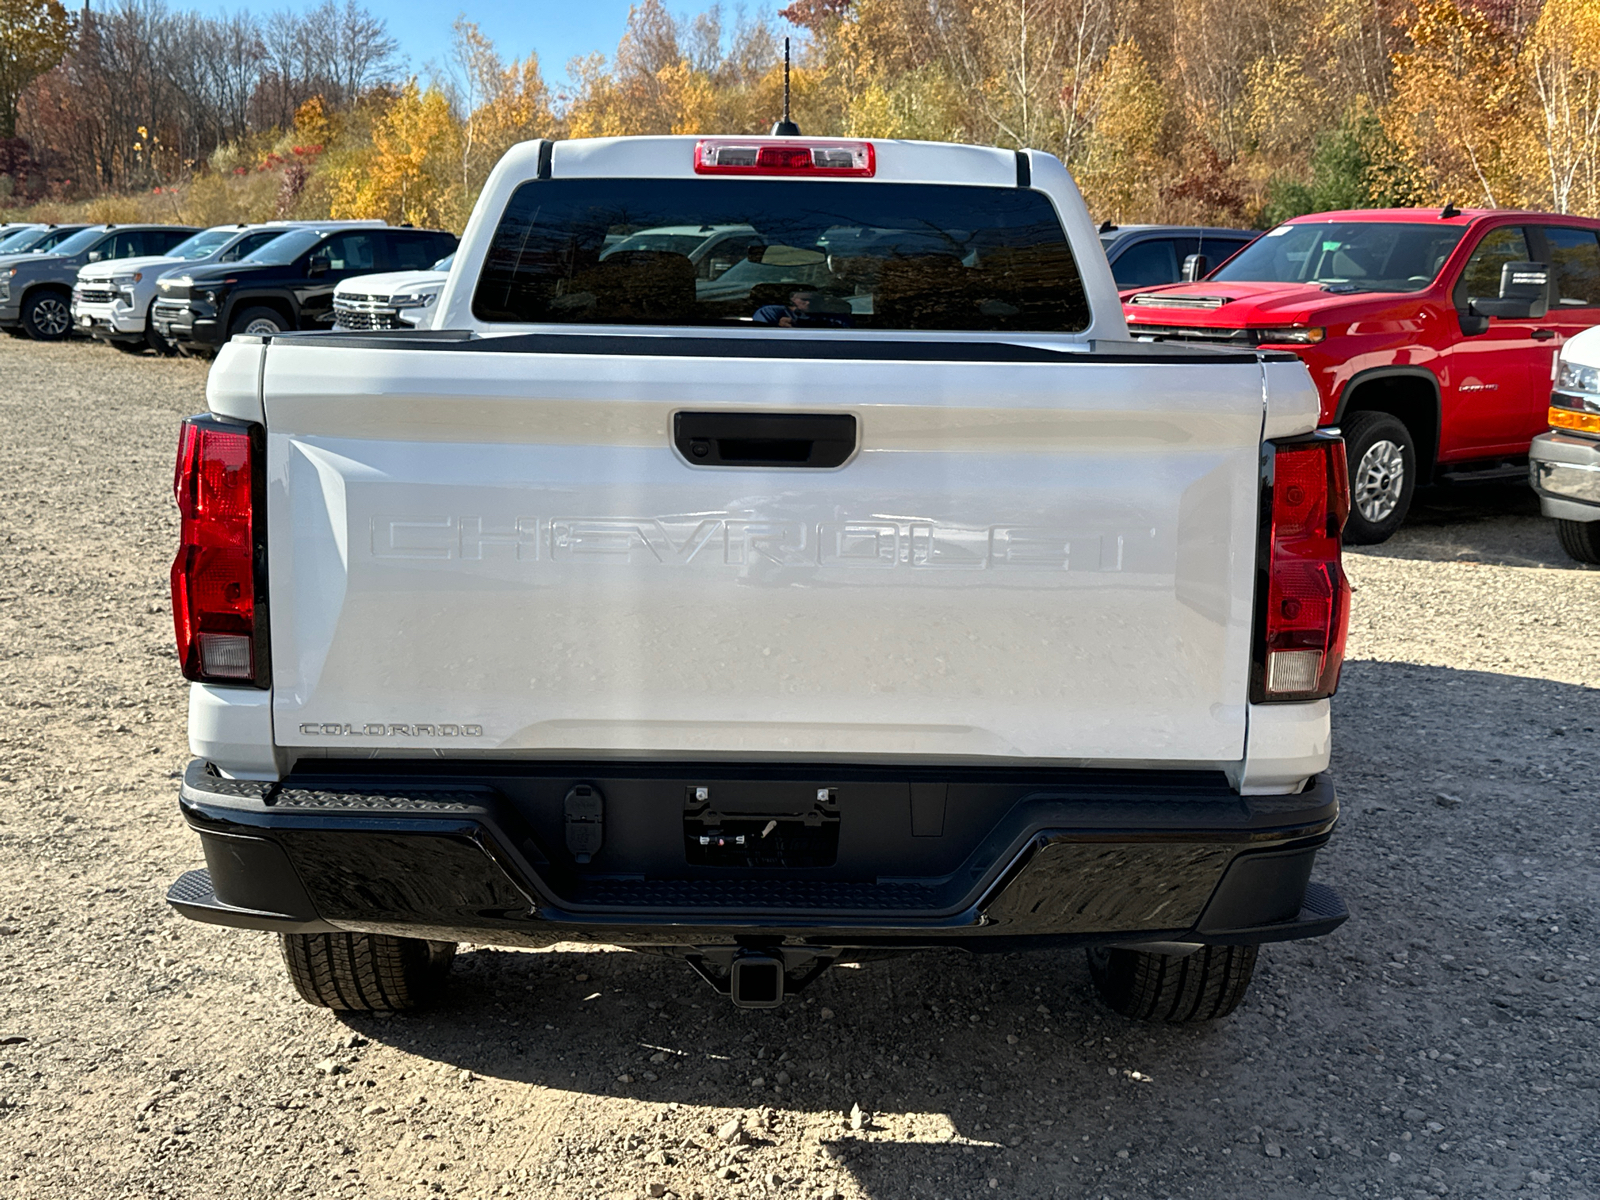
<point x="214" y="602"/>
<point x="1305" y="597"/>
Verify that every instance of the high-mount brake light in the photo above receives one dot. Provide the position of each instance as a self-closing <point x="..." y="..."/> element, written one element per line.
<point x="215" y="607"/>
<point x="1304" y="599"/>
<point x="786" y="156"/>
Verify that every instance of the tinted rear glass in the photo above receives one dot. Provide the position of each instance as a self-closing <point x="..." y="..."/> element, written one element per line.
<point x="842" y="255"/>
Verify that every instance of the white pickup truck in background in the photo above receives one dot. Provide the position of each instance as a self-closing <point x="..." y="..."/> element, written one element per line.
<point x="391" y="300"/>
<point x="889" y="597"/>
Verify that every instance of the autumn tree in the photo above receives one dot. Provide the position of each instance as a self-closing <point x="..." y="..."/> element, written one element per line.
<point x="34" y="36"/>
<point x="1119" y="166"/>
<point x="1562" y="63"/>
<point x="668" y="77"/>
<point x="1457" y="111"/>
<point x="499" y="105"/>
<point x="409" y="174"/>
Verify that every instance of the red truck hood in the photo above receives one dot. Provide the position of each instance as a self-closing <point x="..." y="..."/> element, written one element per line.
<point x="1239" y="305"/>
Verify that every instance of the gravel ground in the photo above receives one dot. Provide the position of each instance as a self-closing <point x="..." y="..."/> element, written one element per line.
<point x="1443" y="1042"/>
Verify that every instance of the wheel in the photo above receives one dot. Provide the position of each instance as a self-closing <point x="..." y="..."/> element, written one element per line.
<point x="365" y="972"/>
<point x="1581" y="539"/>
<point x="47" y="316"/>
<point x="1383" y="475"/>
<point x="153" y="338"/>
<point x="258" y="321"/>
<point x="1201" y="986"/>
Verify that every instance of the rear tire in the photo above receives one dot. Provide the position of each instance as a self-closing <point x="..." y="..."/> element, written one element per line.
<point x="1202" y="986"/>
<point x="1383" y="476"/>
<point x="258" y="320"/>
<point x="153" y="339"/>
<point x="365" y="972"/>
<point x="47" y="316"/>
<point x="1581" y="539"/>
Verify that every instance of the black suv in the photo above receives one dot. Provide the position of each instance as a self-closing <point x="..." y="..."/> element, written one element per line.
<point x="288" y="283"/>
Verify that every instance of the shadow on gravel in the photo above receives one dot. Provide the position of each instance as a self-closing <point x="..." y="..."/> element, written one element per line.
<point x="1466" y="853"/>
<point x="988" y="1067"/>
<point x="1487" y="523"/>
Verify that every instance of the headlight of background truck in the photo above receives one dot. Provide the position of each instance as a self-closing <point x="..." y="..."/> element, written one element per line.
<point x="1575" y="404"/>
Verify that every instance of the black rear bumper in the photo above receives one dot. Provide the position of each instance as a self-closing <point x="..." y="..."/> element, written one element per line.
<point x="976" y="858"/>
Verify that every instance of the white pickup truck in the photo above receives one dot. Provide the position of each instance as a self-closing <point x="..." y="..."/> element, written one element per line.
<point x="893" y="599"/>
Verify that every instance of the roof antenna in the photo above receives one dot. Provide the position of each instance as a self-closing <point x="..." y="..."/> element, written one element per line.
<point x="786" y="127"/>
<point x="1449" y="210"/>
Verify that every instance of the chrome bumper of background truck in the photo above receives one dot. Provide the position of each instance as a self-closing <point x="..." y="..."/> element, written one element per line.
<point x="1565" y="470"/>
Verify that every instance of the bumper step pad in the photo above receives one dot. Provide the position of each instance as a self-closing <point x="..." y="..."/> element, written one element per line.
<point x="193" y="896"/>
<point x="1322" y="911"/>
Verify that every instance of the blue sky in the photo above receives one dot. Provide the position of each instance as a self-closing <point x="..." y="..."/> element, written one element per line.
<point x="557" y="29"/>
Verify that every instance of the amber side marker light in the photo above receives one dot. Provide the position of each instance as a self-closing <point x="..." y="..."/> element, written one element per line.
<point x="1580" y="422"/>
<point x="785" y="156"/>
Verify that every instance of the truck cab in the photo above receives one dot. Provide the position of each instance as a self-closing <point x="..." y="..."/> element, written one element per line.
<point x="1431" y="335"/>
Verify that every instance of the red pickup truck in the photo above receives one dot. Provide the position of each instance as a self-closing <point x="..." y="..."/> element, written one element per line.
<point x="1432" y="335"/>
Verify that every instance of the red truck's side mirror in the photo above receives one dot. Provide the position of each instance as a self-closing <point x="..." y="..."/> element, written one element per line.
<point x="1524" y="296"/>
<point x="1195" y="267"/>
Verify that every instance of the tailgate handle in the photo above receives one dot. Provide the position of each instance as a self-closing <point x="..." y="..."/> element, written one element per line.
<point x="730" y="439"/>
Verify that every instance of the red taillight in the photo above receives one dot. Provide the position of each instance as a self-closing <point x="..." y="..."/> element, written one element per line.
<point x="757" y="156"/>
<point x="213" y="577"/>
<point x="1307" y="597"/>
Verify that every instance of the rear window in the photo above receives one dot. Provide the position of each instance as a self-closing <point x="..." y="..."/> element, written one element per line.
<point x="417" y="251"/>
<point x="820" y="255"/>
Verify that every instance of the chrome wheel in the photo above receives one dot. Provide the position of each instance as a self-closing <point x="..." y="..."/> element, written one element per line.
<point x="51" y="317"/>
<point x="1379" y="481"/>
<point x="261" y="325"/>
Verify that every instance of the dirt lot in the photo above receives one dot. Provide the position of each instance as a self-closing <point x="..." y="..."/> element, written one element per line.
<point x="1446" y="1041"/>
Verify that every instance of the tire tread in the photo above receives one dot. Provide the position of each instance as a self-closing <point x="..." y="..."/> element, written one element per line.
<point x="1203" y="986"/>
<point x="364" y="972"/>
<point x="1580" y="539"/>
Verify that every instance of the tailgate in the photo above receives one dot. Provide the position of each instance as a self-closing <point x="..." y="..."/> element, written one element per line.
<point x="475" y="549"/>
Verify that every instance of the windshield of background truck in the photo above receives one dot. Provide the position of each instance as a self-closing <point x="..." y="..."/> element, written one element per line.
<point x="204" y="243"/>
<point x="21" y="239"/>
<point x="82" y="240"/>
<point x="868" y="255"/>
<point x="1373" y="256"/>
<point x="284" y="249"/>
<point x="41" y="241"/>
